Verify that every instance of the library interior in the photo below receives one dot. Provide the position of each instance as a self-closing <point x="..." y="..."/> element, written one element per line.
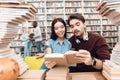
<point x="59" y="39"/>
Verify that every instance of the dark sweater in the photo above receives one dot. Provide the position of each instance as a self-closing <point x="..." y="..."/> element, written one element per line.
<point x="96" y="45"/>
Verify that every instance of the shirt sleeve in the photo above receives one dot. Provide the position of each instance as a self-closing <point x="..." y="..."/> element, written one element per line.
<point x="37" y="32"/>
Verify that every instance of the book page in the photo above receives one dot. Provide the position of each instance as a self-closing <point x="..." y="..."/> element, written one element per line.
<point x="58" y="58"/>
<point x="54" y="55"/>
<point x="70" y="56"/>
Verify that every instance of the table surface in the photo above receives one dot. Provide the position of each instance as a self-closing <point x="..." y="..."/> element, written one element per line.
<point x="82" y="76"/>
<point x="98" y="75"/>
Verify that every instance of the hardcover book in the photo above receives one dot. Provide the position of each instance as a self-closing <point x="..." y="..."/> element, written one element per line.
<point x="33" y="75"/>
<point x="83" y="76"/>
<point x="57" y="73"/>
<point x="65" y="59"/>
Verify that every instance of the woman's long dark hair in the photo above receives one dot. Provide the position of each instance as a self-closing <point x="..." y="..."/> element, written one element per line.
<point x="53" y="34"/>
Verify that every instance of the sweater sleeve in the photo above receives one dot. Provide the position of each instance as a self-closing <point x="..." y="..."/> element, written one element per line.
<point x="102" y="49"/>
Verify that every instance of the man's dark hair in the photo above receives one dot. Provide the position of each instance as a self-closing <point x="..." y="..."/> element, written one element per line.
<point x="35" y="24"/>
<point x="76" y="16"/>
<point x="53" y="34"/>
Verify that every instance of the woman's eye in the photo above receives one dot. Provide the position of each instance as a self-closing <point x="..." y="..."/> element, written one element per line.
<point x="62" y="26"/>
<point x="56" y="28"/>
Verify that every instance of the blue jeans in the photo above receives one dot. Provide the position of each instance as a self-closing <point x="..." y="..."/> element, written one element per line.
<point x="27" y="48"/>
<point x="44" y="66"/>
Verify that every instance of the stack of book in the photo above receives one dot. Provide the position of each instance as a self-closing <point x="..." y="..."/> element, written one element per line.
<point x="57" y="73"/>
<point x="111" y="68"/>
<point x="12" y="14"/>
<point x="115" y="56"/>
<point x="24" y="72"/>
<point x="22" y="65"/>
<point x="110" y="9"/>
<point x="13" y="1"/>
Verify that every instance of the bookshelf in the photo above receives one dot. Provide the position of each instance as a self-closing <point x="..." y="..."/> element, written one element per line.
<point x="93" y="19"/>
<point x="49" y="9"/>
<point x="40" y="16"/>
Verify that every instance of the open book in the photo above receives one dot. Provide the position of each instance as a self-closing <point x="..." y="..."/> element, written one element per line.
<point x="65" y="59"/>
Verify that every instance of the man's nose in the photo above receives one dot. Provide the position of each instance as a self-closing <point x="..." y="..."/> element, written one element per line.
<point x="75" y="27"/>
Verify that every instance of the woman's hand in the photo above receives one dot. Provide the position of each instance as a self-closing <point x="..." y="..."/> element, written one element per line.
<point x="39" y="55"/>
<point x="50" y="64"/>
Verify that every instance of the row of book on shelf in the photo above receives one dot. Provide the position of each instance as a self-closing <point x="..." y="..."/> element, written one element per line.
<point x="67" y="10"/>
<point x="67" y="3"/>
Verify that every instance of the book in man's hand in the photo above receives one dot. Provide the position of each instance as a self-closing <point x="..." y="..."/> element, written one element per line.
<point x="66" y="59"/>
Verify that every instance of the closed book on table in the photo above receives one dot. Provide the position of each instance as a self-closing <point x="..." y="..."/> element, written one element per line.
<point x="57" y="73"/>
<point x="33" y="75"/>
<point x="84" y="77"/>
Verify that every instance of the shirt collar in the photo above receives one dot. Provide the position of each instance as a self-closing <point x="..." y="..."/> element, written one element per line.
<point x="85" y="37"/>
<point x="57" y="42"/>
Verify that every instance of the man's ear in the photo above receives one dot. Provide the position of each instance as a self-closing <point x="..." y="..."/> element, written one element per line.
<point x="84" y="26"/>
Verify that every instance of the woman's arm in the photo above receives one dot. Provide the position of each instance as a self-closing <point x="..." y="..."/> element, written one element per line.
<point x="48" y="49"/>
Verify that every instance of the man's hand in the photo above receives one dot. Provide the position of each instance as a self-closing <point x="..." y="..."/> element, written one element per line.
<point x="84" y="56"/>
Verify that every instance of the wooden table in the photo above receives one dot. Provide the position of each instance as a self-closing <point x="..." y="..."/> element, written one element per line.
<point x="97" y="75"/>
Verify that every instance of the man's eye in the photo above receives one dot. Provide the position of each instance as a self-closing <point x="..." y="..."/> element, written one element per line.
<point x="78" y="24"/>
<point x="71" y="26"/>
